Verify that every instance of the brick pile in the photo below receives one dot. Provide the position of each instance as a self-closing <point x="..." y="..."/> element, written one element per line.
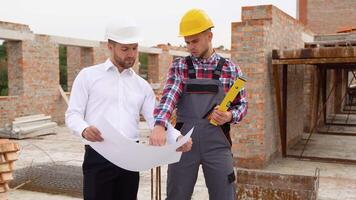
<point x="8" y="155"/>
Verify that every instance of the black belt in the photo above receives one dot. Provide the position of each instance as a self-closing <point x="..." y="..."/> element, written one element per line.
<point x="87" y="147"/>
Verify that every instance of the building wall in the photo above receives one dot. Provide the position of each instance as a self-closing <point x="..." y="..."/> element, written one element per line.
<point x="8" y="109"/>
<point x="14" y="67"/>
<point x="327" y="16"/>
<point x="77" y="59"/>
<point x="310" y="96"/>
<point x="33" y="70"/>
<point x="41" y="78"/>
<point x="262" y="29"/>
<point x="100" y="53"/>
<point x="152" y="68"/>
<point x="74" y="64"/>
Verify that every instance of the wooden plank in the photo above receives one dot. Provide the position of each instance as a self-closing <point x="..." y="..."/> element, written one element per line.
<point x="284" y="111"/>
<point x="278" y="98"/>
<point x="323" y="52"/>
<point x="313" y="61"/>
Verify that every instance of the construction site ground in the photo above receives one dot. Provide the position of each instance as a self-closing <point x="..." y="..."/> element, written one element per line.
<point x="337" y="181"/>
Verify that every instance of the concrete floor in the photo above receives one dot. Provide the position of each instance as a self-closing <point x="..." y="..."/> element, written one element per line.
<point x="337" y="181"/>
<point x="328" y="146"/>
<point x="65" y="148"/>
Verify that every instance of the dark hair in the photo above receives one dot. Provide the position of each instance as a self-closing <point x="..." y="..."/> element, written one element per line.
<point x="112" y="42"/>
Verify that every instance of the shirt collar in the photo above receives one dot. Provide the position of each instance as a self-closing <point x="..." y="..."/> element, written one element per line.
<point x="109" y="65"/>
<point x="213" y="57"/>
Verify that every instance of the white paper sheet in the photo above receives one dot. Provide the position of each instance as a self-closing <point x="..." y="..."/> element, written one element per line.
<point x="133" y="156"/>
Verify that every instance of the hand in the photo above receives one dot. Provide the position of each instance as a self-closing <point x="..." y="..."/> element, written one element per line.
<point x="92" y="134"/>
<point x="158" y="136"/>
<point x="221" y="117"/>
<point x="186" y="146"/>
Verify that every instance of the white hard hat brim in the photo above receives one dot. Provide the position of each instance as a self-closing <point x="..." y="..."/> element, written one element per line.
<point x="128" y="35"/>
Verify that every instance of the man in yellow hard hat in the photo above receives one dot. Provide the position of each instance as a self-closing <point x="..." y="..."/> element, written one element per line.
<point x="195" y="85"/>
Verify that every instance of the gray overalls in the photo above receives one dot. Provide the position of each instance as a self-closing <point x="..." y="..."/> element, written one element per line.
<point x="211" y="147"/>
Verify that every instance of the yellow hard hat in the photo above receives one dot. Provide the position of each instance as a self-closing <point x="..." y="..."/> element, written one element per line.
<point x="193" y="22"/>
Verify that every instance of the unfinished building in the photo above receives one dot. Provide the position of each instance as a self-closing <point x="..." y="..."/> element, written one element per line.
<point x="300" y="80"/>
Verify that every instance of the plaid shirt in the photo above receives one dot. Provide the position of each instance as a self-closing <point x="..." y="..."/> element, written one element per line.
<point x="177" y="76"/>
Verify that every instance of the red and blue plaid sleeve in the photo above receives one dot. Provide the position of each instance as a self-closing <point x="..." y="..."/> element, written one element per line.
<point x="171" y="93"/>
<point x="239" y="105"/>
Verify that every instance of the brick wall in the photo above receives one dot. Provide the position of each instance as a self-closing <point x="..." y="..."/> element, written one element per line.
<point x="271" y="186"/>
<point x="74" y="64"/>
<point x="328" y="16"/>
<point x="14" y="67"/>
<point x="41" y="78"/>
<point x="165" y="61"/>
<point x="8" y="109"/>
<point x="100" y="53"/>
<point x="262" y="29"/>
<point x="158" y="65"/>
<point x="310" y="94"/>
<point x="152" y="68"/>
<point x="33" y="67"/>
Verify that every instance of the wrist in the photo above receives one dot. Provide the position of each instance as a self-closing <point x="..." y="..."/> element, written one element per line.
<point x="160" y="127"/>
<point x="231" y="116"/>
<point x="83" y="133"/>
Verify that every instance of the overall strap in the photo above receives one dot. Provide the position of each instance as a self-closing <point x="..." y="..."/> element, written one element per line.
<point x="217" y="71"/>
<point x="191" y="69"/>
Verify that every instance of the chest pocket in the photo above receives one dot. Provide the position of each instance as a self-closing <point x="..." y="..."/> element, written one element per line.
<point x="133" y="101"/>
<point x="202" y="89"/>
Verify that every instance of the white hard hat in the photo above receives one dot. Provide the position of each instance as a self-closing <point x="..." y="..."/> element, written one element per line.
<point x="123" y="31"/>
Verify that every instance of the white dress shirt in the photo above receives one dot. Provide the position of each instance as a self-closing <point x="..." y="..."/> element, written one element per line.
<point x="102" y="91"/>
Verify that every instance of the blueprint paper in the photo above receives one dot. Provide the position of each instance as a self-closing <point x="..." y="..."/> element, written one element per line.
<point x="133" y="156"/>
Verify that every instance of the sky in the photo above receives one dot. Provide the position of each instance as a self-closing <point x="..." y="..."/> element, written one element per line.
<point x="158" y="19"/>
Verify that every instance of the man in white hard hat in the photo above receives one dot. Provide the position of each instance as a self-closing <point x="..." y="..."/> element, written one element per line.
<point x="114" y="91"/>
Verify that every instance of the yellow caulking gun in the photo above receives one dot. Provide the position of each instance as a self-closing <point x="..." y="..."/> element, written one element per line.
<point x="230" y="96"/>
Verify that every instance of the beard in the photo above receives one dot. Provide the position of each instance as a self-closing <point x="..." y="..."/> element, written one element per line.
<point x="124" y="63"/>
<point x="204" y="53"/>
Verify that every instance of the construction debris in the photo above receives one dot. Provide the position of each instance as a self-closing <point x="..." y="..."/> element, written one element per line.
<point x="29" y="126"/>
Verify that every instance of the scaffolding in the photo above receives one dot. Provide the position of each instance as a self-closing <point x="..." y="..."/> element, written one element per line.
<point x="332" y="53"/>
